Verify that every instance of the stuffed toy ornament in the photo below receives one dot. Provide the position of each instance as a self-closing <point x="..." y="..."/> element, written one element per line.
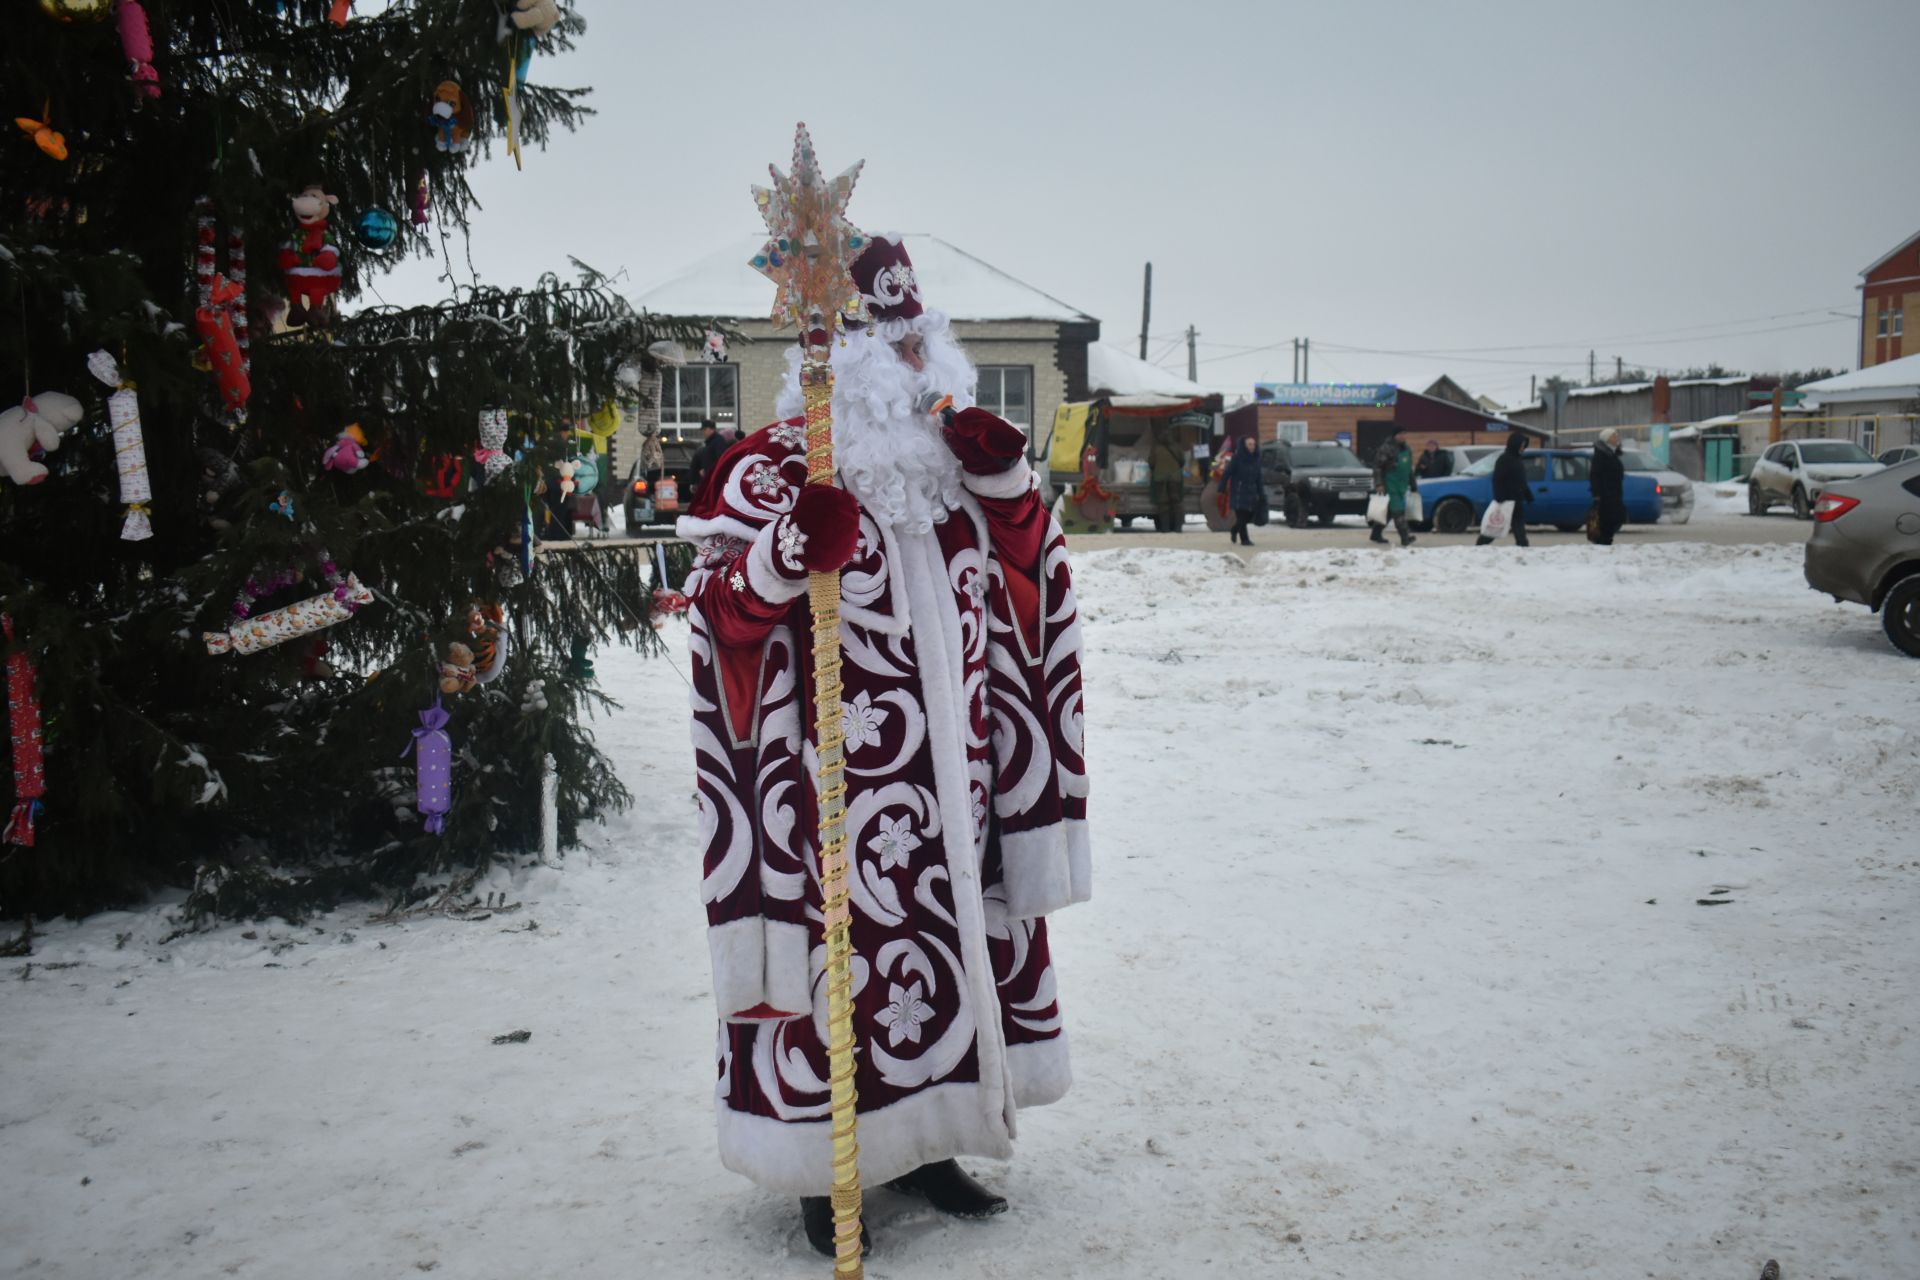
<point x="487" y="624"/>
<point x="456" y="673"/>
<point x="348" y="452"/>
<point x="451" y="116"/>
<point x="36" y="421"/>
<point x="536" y="16"/>
<point x="310" y="263"/>
<point x="566" y="470"/>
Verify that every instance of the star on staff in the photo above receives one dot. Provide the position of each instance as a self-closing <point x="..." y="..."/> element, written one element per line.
<point x="812" y="246"/>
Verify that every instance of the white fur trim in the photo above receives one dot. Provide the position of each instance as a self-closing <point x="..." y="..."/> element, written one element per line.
<point x="1011" y="483"/>
<point x="1041" y="1071"/>
<point x="766" y="581"/>
<point x="757" y="962"/>
<point x="795" y="1157"/>
<point x="1046" y="868"/>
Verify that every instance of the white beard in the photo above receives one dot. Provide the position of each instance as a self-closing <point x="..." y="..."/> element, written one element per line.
<point x="888" y="451"/>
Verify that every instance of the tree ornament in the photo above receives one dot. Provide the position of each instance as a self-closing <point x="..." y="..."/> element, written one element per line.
<point x="44" y="135"/>
<point x="586" y="473"/>
<point x="376" y="228"/>
<point x="282" y="505"/>
<point x="519" y="59"/>
<point x="251" y="635"/>
<point x="129" y="448"/>
<point x="579" y="664"/>
<point x="206" y="270"/>
<point x="715" y="351"/>
<point x="23" y="721"/>
<point x="36" y="422"/>
<point x="536" y="17"/>
<point x="77" y="10"/>
<point x="451" y="115"/>
<point x="492" y="454"/>
<point x="348" y="452"/>
<point x="215" y="323"/>
<point x="420" y="194"/>
<point x="337" y="12"/>
<point x="310" y="263"/>
<point x="457" y="673"/>
<point x="549" y="811"/>
<point x="433" y="766"/>
<point x="487" y="624"/>
<point x="136" y="41"/>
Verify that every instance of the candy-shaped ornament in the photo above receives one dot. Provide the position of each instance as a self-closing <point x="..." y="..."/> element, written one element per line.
<point x="129" y="448"/>
<point x="224" y="359"/>
<point x="433" y="766"/>
<point x="23" y="723"/>
<point x="251" y="635"/>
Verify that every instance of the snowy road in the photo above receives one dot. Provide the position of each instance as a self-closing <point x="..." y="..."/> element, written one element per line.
<point x="1396" y="968"/>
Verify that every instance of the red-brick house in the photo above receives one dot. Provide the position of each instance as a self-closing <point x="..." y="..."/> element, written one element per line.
<point x="1888" y="290"/>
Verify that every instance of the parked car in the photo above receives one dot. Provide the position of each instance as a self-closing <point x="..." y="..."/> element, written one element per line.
<point x="1315" y="479"/>
<point x="1865" y="548"/>
<point x="652" y="498"/>
<point x="1676" y="491"/>
<point x="1462" y="456"/>
<point x="1799" y="471"/>
<point x="1894" y="457"/>
<point x="1558" y="478"/>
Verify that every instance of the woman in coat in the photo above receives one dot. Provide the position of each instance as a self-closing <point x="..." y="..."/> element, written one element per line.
<point x="1510" y="485"/>
<point x="1246" y="488"/>
<point x="1393" y="476"/>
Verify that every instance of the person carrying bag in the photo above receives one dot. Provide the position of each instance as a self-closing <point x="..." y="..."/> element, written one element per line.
<point x="1510" y="494"/>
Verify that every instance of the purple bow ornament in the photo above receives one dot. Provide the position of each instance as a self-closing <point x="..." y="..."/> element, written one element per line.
<point x="433" y="764"/>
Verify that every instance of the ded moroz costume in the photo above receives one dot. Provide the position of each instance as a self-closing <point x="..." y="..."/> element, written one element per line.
<point x="966" y="784"/>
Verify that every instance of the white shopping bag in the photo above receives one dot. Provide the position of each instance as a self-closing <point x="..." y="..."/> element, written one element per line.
<point x="1377" y="509"/>
<point x="1497" y="521"/>
<point x="1416" y="509"/>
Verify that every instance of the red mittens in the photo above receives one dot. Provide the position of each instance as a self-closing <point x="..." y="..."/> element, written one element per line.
<point x="828" y="522"/>
<point x="984" y="443"/>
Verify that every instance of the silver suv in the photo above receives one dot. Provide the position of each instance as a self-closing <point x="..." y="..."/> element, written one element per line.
<point x="1866" y="548"/>
<point x="1799" y="471"/>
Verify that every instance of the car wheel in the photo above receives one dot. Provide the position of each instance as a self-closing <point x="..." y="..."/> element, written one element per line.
<point x="1802" y="509"/>
<point x="1757" y="503"/>
<point x="1681" y="517"/>
<point x="1900" y="615"/>
<point x="1323" y="519"/>
<point x="1290" y="509"/>
<point x="1453" y="516"/>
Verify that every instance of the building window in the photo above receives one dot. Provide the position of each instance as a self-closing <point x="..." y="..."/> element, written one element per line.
<point x="1881" y="330"/>
<point x="1290" y="432"/>
<point x="696" y="391"/>
<point x="1867" y="432"/>
<point x="1007" y="389"/>
<point x="1899" y="320"/>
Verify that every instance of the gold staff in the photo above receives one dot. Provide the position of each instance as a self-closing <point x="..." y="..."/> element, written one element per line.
<point x="810" y="256"/>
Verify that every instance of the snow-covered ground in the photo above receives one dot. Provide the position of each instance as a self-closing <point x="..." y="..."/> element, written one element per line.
<point x="1398" y="966"/>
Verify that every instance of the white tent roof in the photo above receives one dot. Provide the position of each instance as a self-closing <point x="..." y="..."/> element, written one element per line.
<point x="1894" y="380"/>
<point x="952" y="280"/>
<point x="1117" y="373"/>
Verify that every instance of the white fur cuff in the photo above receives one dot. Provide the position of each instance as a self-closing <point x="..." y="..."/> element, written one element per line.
<point x="1011" y="483"/>
<point x="758" y="962"/>
<point x="1047" y="868"/>
<point x="768" y="581"/>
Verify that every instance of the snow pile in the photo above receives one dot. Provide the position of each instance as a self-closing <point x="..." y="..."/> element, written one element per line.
<point x="1397" y="967"/>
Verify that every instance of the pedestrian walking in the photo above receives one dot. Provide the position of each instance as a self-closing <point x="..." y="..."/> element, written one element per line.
<point x="1246" y="489"/>
<point x="1607" y="479"/>
<point x="1168" y="472"/>
<point x="1393" y="476"/>
<point x="713" y="443"/>
<point x="1510" y="495"/>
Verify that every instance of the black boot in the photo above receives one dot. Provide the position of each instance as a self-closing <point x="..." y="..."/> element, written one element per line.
<point x="947" y="1187"/>
<point x="1379" y="533"/>
<point x="1407" y="539"/>
<point x="816" y="1213"/>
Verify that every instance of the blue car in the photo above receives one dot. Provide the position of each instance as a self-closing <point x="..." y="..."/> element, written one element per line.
<point x="1558" y="478"/>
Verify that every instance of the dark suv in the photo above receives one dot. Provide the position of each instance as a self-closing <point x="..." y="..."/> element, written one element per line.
<point x="1316" y="478"/>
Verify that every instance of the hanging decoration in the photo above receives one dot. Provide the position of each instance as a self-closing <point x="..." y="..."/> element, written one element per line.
<point x="549" y="811"/>
<point x="282" y="505"/>
<point x="233" y="302"/>
<point x="337" y="12"/>
<point x="456" y="672"/>
<point x="519" y="59"/>
<point x="492" y="454"/>
<point x="215" y="323"/>
<point x="129" y="448"/>
<point x="348" y="452"/>
<point x="376" y="229"/>
<point x="451" y="115"/>
<point x="487" y="624"/>
<point x="136" y="41"/>
<point x="433" y="766"/>
<point x="44" y="135"/>
<point x="448" y="473"/>
<point x="77" y="10"/>
<point x="23" y="722"/>
<point x="420" y="198"/>
<point x="579" y="663"/>
<point x="536" y="17"/>
<point x="716" y="349"/>
<point x="251" y="635"/>
<point x="310" y="263"/>
<point x="36" y="423"/>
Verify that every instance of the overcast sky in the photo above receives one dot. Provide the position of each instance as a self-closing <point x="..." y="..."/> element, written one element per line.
<point x="1483" y="189"/>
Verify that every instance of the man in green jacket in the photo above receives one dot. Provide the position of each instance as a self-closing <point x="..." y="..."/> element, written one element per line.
<point x="1393" y="476"/>
<point x="1168" y="471"/>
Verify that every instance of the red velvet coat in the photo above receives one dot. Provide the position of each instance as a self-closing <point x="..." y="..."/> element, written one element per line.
<point x="966" y="817"/>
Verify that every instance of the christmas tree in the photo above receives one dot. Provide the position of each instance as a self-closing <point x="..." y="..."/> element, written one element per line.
<point x="245" y="519"/>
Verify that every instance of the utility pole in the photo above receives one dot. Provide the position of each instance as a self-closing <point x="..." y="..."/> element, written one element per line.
<point x="1296" y="360"/>
<point x="1306" y="354"/>
<point x="1146" y="310"/>
<point x="1589" y="362"/>
<point x="1533" y="388"/>
<point x="1193" y="360"/>
<point x="1619" y="369"/>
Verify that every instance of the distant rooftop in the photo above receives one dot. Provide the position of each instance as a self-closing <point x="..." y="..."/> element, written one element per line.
<point x="1892" y="380"/>
<point x="951" y="280"/>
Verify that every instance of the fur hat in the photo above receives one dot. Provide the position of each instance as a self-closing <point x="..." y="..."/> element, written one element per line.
<point x="885" y="278"/>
